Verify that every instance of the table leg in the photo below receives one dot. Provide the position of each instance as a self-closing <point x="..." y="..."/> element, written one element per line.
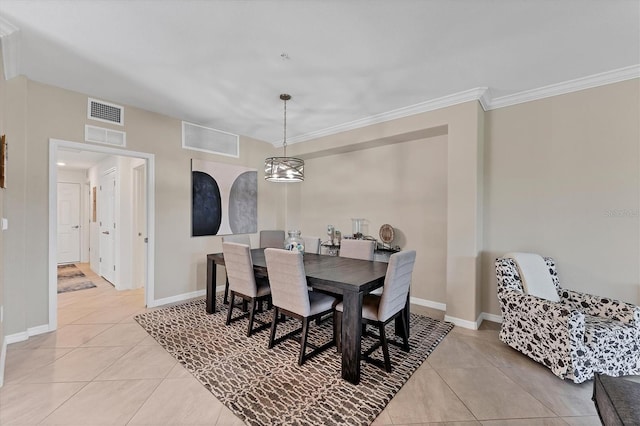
<point x="351" y="335"/>
<point x="211" y="287"/>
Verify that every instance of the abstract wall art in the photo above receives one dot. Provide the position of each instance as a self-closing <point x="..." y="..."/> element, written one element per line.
<point x="224" y="199"/>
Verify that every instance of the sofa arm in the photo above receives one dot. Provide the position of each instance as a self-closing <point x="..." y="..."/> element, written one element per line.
<point x="547" y="332"/>
<point x="603" y="307"/>
<point x="535" y="309"/>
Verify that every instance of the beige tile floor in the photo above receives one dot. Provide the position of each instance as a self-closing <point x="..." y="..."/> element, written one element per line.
<point x="100" y="367"/>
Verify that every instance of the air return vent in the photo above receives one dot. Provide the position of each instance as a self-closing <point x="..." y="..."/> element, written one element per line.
<point x="105" y="136"/>
<point x="200" y="138"/>
<point x="104" y="111"/>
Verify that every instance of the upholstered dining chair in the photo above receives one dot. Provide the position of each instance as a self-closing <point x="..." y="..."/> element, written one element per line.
<point x="292" y="298"/>
<point x="311" y="244"/>
<point x="357" y="249"/>
<point x="379" y="310"/>
<point x="272" y="239"/>
<point x="240" y="239"/>
<point x="574" y="334"/>
<point x="237" y="238"/>
<point x="242" y="283"/>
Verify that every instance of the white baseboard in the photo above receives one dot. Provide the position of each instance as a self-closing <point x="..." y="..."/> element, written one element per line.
<point x="471" y="325"/>
<point x="428" y="303"/>
<point x="3" y="357"/>
<point x="178" y="298"/>
<point x="16" y="337"/>
<point x="41" y="329"/>
<point x="491" y="317"/>
<point x="24" y="335"/>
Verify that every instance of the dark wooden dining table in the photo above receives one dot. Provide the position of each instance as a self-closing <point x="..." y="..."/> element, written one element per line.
<point x="351" y="278"/>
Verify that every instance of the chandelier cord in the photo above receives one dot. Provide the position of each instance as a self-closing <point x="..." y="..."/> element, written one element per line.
<point x="284" y="141"/>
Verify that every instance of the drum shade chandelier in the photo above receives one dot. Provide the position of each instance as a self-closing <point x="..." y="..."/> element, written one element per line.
<point x="284" y="169"/>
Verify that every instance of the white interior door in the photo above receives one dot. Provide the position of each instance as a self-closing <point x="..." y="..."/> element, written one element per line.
<point x="68" y="222"/>
<point x="140" y="226"/>
<point x="107" y="226"/>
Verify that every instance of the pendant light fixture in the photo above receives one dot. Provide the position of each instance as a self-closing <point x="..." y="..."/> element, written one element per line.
<point x="284" y="169"/>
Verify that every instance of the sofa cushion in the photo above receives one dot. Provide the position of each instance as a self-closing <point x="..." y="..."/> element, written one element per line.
<point x="535" y="275"/>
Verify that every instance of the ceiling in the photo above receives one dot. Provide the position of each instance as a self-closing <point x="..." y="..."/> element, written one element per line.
<point x="77" y="159"/>
<point x="224" y="64"/>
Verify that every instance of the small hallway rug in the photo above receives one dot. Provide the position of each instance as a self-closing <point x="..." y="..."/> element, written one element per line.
<point x="266" y="386"/>
<point x="70" y="278"/>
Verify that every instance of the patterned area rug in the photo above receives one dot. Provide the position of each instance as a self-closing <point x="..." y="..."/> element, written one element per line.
<point x="70" y="278"/>
<point x="266" y="386"/>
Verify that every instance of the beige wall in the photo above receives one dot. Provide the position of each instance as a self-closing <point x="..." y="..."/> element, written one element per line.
<point x="563" y="179"/>
<point x="16" y="281"/>
<point x="3" y="98"/>
<point x="560" y="176"/>
<point x="49" y="112"/>
<point x="404" y="185"/>
<point x="463" y="127"/>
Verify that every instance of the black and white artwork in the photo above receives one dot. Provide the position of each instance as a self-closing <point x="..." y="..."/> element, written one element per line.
<point x="224" y="199"/>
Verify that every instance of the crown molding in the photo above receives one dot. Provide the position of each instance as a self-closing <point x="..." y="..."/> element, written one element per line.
<point x="10" y="41"/>
<point x="482" y="95"/>
<point x="565" y="87"/>
<point x="477" y="94"/>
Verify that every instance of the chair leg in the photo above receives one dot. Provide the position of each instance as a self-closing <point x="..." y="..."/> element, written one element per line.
<point x="405" y="335"/>
<point x="303" y="340"/>
<point x="272" y="336"/>
<point x="385" y="348"/>
<point x="232" y="296"/>
<point x="337" y="330"/>
<point x="252" y="313"/>
<point x="226" y="292"/>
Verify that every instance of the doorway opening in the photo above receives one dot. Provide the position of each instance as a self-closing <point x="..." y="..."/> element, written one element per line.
<point x="137" y="178"/>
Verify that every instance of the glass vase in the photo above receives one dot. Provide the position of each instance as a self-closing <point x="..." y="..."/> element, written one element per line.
<point x="294" y="242"/>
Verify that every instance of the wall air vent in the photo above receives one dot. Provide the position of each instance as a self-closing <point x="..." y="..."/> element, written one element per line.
<point x="104" y="111"/>
<point x="105" y="136"/>
<point x="200" y="138"/>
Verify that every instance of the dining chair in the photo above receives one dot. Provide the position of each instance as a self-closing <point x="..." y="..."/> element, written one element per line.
<point x="311" y="244"/>
<point x="292" y="298"/>
<point x="237" y="238"/>
<point x="357" y="249"/>
<point x="242" y="283"/>
<point x="272" y="238"/>
<point x="240" y="239"/>
<point x="379" y="310"/>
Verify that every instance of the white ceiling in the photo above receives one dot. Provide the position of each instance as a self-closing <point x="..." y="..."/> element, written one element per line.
<point x="224" y="63"/>
<point x="78" y="159"/>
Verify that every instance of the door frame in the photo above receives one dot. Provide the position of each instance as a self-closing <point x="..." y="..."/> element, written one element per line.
<point x="139" y="173"/>
<point x="149" y="159"/>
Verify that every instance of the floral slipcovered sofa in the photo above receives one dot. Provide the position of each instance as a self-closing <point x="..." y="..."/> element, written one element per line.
<point x="576" y="337"/>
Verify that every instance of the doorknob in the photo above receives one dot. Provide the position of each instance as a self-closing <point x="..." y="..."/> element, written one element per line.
<point x="105" y="232"/>
<point x="76" y="227"/>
